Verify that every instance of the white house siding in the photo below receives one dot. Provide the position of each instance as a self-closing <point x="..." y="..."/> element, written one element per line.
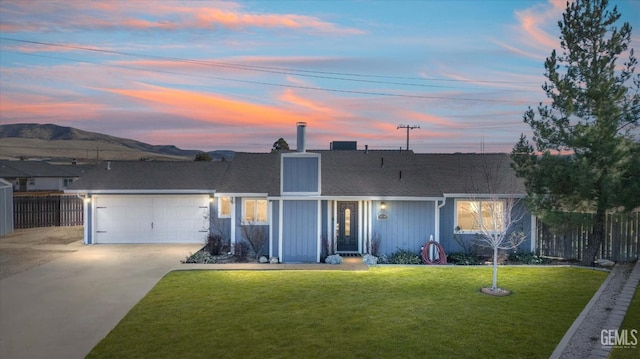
<point x="45" y="184"/>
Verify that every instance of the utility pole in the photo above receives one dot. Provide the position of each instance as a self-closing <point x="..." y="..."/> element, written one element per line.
<point x="408" y="127"/>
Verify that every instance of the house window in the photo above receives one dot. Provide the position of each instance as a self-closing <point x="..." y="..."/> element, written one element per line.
<point x="255" y="211"/>
<point x="347" y="222"/>
<point x="471" y="216"/>
<point x="67" y="181"/>
<point x="224" y="207"/>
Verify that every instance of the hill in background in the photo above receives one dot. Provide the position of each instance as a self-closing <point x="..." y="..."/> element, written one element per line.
<point x="53" y="141"/>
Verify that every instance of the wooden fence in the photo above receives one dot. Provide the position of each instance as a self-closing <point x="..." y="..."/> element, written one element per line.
<point x="621" y="243"/>
<point x="47" y="210"/>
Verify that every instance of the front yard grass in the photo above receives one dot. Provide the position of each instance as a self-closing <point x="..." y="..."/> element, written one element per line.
<point x="385" y="312"/>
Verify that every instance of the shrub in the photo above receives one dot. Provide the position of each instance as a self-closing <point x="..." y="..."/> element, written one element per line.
<point x="214" y="244"/>
<point x="404" y="257"/>
<point x="326" y="249"/>
<point x="375" y="245"/>
<point x="241" y="251"/>
<point x="255" y="236"/>
<point x="526" y="258"/>
<point x="462" y="258"/>
<point x="200" y="257"/>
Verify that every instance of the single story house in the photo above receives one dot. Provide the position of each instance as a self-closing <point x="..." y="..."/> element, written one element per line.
<point x="39" y="175"/>
<point x="304" y="202"/>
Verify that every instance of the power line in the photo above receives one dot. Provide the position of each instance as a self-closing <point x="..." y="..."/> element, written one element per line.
<point x="386" y="94"/>
<point x="273" y="69"/>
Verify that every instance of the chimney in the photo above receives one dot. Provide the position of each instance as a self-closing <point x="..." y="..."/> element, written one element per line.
<point x="301" y="145"/>
<point x="366" y="149"/>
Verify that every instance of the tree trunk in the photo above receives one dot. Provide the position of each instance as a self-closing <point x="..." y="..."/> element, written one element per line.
<point x="596" y="238"/>
<point x="494" y="285"/>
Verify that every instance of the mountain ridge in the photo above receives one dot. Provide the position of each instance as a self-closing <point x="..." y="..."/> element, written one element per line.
<point x="52" y="132"/>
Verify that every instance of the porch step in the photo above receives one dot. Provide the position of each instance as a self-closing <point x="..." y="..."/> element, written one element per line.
<point x="349" y="254"/>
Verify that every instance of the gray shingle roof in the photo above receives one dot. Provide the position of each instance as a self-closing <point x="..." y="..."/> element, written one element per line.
<point x="140" y="175"/>
<point x="405" y="174"/>
<point x="252" y="173"/>
<point x="15" y="169"/>
<point x="344" y="173"/>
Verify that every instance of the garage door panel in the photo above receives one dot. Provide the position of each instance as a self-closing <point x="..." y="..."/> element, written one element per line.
<point x="152" y="219"/>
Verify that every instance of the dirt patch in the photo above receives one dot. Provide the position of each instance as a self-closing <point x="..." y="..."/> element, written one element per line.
<point x="45" y="235"/>
<point x="28" y="248"/>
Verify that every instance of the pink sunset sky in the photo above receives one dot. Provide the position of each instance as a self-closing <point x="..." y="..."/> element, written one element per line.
<point x="213" y="75"/>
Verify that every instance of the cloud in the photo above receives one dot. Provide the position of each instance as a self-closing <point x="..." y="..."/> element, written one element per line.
<point x="162" y="16"/>
<point x="536" y="31"/>
<point x="43" y="108"/>
<point x="208" y="108"/>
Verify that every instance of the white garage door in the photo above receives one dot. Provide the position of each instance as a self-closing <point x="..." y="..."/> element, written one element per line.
<point x="151" y="219"/>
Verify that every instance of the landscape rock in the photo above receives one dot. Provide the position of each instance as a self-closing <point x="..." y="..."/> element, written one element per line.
<point x="605" y="263"/>
<point x="274" y="260"/>
<point x="333" y="259"/>
<point x="263" y="259"/>
<point x="369" y="260"/>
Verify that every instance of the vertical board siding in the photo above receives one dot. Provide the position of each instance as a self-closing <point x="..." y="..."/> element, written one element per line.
<point x="621" y="242"/>
<point x="300" y="231"/>
<point x="275" y="228"/>
<point x="50" y="210"/>
<point x="408" y="225"/>
<point x="300" y="174"/>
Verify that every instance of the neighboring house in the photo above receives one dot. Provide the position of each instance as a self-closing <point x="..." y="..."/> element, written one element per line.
<point x="302" y="201"/>
<point x="39" y="175"/>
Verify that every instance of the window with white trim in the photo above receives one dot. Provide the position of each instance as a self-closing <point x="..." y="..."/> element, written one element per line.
<point x="224" y="207"/>
<point x="254" y="211"/>
<point x="471" y="216"/>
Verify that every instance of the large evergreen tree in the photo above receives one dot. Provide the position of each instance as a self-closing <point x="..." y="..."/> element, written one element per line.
<point x="587" y="154"/>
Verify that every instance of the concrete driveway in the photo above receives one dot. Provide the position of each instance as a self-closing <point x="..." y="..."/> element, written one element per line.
<point x="63" y="308"/>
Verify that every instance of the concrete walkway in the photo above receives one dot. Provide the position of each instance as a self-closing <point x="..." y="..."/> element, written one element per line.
<point x="605" y="311"/>
<point x="63" y="308"/>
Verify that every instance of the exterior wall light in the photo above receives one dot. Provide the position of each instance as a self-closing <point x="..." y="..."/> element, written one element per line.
<point x="383" y="205"/>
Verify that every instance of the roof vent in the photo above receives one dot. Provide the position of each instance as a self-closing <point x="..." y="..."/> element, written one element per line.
<point x="343" y="145"/>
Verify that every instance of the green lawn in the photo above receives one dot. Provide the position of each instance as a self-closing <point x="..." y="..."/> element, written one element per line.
<point x="385" y="312"/>
<point x="631" y="322"/>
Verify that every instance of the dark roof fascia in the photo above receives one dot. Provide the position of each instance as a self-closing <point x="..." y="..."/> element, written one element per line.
<point x="484" y="195"/>
<point x="140" y="191"/>
<point x="357" y="198"/>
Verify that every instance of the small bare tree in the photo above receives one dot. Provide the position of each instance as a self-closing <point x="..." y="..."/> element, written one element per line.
<point x="496" y="208"/>
<point x="255" y="235"/>
<point x="496" y="218"/>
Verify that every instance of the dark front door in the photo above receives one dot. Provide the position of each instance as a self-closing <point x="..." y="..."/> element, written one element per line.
<point x="347" y="226"/>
